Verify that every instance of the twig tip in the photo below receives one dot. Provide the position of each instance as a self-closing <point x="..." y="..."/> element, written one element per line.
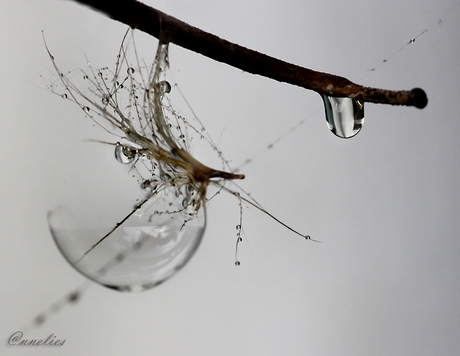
<point x="419" y="98"/>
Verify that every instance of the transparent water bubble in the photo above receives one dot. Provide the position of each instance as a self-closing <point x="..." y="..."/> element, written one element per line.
<point x="164" y="87"/>
<point x="123" y="154"/>
<point x="117" y="234"/>
<point x="105" y="99"/>
<point x="344" y="116"/>
<point x="137" y="254"/>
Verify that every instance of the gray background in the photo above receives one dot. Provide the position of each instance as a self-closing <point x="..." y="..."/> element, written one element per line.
<point x="385" y="204"/>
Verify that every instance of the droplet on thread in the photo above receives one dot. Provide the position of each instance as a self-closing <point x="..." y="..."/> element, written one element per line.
<point x="123" y="154"/>
<point x="39" y="319"/>
<point x="344" y="116"/>
<point x="164" y="87"/>
<point x="237" y="263"/>
<point x="73" y="297"/>
<point x="130" y="70"/>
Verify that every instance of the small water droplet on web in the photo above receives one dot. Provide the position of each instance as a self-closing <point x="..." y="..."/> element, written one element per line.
<point x="344" y="116"/>
<point x="237" y="263"/>
<point x="164" y="87"/>
<point x="73" y="297"/>
<point x="64" y="96"/>
<point x="123" y="154"/>
<point x="86" y="109"/>
<point x="40" y="319"/>
<point x="130" y="70"/>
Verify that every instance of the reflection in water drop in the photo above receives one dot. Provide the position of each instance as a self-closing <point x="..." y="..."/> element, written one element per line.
<point x="124" y="154"/>
<point x="164" y="87"/>
<point x="344" y="116"/>
<point x="141" y="249"/>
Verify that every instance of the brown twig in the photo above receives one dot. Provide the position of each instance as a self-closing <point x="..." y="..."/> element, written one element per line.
<point x="170" y="29"/>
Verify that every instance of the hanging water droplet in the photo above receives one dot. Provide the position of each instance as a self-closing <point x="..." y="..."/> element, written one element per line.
<point x="64" y="96"/>
<point x="141" y="249"/>
<point x="164" y="87"/>
<point x="105" y="99"/>
<point x="124" y="154"/>
<point x="151" y="183"/>
<point x="85" y="77"/>
<point x="237" y="263"/>
<point x="412" y="40"/>
<point x="86" y="109"/>
<point x="344" y="116"/>
<point x="130" y="70"/>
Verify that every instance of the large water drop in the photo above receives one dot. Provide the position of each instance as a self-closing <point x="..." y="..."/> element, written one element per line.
<point x="134" y="252"/>
<point x="344" y="116"/>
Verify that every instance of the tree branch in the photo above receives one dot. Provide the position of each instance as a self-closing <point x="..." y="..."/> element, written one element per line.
<point x="169" y="29"/>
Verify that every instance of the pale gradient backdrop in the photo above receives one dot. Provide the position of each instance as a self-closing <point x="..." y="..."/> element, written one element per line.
<point x="386" y="278"/>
